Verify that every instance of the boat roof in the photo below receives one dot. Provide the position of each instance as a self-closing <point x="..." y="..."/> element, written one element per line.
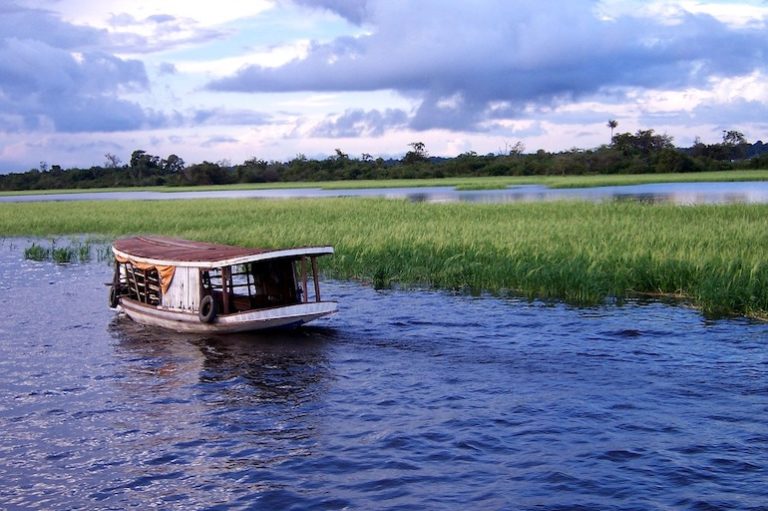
<point x="164" y="251"/>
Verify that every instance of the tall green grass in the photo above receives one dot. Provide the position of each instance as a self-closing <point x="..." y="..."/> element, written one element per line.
<point x="583" y="253"/>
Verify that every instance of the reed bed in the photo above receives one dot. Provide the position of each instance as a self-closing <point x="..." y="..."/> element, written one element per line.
<point x="75" y="251"/>
<point x="711" y="256"/>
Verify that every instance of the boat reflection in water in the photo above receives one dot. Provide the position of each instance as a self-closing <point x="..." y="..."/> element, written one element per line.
<point x="275" y="366"/>
<point x="236" y="403"/>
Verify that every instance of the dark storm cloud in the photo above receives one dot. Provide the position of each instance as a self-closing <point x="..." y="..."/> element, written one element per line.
<point x="52" y="75"/>
<point x="460" y="58"/>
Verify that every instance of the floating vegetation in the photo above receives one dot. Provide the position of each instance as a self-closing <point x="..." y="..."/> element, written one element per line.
<point x="62" y="255"/>
<point x="37" y="253"/>
<point x="75" y="252"/>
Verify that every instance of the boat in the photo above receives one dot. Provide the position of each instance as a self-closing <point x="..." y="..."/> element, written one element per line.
<point x="192" y="286"/>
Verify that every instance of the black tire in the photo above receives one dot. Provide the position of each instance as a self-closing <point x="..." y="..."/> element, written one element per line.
<point x="207" y="312"/>
<point x="114" y="299"/>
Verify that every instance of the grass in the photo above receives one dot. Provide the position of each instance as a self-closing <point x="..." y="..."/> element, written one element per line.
<point x="460" y="183"/>
<point x="76" y="251"/>
<point x="36" y="252"/>
<point x="579" y="252"/>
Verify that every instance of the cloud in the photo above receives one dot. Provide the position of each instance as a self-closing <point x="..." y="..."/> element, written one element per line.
<point x="718" y="114"/>
<point x="160" y="32"/>
<point x="22" y="23"/>
<point x="219" y="140"/>
<point x="355" y="11"/>
<point x="167" y="68"/>
<point x="53" y="76"/>
<point x="360" y="123"/>
<point x="224" y="117"/>
<point x="104" y="14"/>
<point x="460" y="58"/>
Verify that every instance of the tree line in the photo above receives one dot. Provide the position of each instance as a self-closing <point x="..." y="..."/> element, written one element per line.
<point x="628" y="153"/>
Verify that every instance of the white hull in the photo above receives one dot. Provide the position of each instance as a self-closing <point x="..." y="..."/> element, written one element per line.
<point x="291" y="315"/>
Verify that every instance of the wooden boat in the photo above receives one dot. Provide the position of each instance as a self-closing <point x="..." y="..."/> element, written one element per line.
<point x="190" y="286"/>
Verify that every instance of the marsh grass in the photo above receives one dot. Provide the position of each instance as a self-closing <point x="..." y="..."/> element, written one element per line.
<point x="711" y="256"/>
<point x="36" y="252"/>
<point x="75" y="251"/>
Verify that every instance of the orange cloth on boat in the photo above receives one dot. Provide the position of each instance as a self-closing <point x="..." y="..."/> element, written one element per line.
<point x="166" y="273"/>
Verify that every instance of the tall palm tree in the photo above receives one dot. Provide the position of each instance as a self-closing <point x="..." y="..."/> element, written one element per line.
<point x="612" y="123"/>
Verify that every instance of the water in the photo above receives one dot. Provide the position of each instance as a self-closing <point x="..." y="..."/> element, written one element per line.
<point x="404" y="400"/>
<point x="755" y="192"/>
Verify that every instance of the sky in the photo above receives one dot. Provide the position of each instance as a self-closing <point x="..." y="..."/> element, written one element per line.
<point x="231" y="80"/>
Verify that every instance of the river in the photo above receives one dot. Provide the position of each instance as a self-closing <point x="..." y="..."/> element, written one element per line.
<point x="403" y="400"/>
<point x="751" y="192"/>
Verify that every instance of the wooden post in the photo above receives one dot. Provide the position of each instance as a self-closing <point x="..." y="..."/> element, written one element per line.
<point x="248" y="283"/>
<point x="225" y="287"/>
<point x="145" y="275"/>
<point x="304" y="297"/>
<point x="314" y="277"/>
<point x="200" y="286"/>
<point x="132" y="278"/>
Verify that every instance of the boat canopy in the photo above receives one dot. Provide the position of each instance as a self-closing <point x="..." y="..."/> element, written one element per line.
<point x="163" y="251"/>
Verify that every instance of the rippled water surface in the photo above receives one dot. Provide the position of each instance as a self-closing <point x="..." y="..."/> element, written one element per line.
<point x="404" y="400"/>
<point x="749" y="192"/>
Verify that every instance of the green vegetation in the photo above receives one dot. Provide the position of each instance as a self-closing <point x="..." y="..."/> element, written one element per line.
<point x="579" y="252"/>
<point x="76" y="251"/>
<point x="36" y="252"/>
<point x="643" y="152"/>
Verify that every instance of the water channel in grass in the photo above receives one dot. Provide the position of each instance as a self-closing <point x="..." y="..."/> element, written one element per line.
<point x="675" y="193"/>
<point x="403" y="400"/>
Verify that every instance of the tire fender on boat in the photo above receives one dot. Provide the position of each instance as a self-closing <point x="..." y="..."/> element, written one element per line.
<point x="207" y="312"/>
<point x="114" y="300"/>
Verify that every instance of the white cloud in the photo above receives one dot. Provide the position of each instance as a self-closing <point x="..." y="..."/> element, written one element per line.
<point x="103" y="14"/>
<point x="752" y="87"/>
<point x="734" y="13"/>
<point x="268" y="57"/>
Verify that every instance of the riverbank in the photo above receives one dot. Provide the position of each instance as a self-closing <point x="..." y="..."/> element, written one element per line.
<point x="578" y="252"/>
<point x="463" y="183"/>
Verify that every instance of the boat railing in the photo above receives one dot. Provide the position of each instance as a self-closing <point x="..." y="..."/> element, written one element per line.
<point x="142" y="285"/>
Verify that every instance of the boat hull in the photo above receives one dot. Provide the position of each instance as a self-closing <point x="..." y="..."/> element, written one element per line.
<point x="260" y="319"/>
